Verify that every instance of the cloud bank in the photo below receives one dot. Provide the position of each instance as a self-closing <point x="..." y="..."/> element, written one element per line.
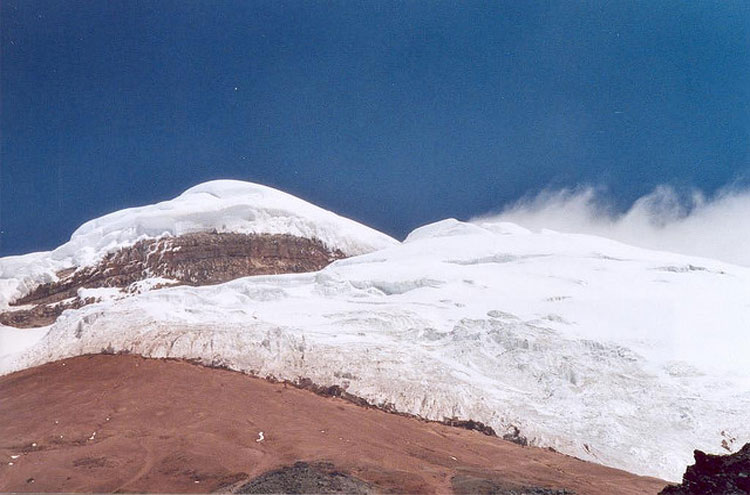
<point x="665" y="219"/>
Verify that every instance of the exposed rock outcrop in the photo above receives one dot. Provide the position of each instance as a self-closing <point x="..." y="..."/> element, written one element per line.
<point x="303" y="477"/>
<point x="715" y="475"/>
<point x="191" y="259"/>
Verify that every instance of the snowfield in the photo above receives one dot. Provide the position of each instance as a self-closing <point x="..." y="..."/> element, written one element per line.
<point x="624" y="356"/>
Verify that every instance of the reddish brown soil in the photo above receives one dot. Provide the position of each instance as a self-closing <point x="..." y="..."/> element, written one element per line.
<point x="169" y="426"/>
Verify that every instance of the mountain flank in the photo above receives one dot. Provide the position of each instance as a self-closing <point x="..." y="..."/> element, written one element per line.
<point x="216" y="430"/>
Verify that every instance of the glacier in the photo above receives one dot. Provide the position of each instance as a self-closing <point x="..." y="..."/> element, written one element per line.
<point x="620" y="355"/>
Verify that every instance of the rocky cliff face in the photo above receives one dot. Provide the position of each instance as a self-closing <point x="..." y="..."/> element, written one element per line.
<point x="193" y="259"/>
<point x="715" y="475"/>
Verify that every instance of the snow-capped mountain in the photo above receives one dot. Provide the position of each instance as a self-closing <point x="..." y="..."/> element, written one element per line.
<point x="624" y="356"/>
<point x="220" y="206"/>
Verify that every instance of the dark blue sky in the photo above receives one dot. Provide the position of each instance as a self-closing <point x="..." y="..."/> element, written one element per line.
<point x="393" y="113"/>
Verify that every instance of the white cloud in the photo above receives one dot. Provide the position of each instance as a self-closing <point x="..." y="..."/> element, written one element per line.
<point x="689" y="223"/>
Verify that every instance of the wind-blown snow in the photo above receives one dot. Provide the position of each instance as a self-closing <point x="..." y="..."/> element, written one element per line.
<point x="220" y="205"/>
<point x="616" y="354"/>
<point x="691" y="224"/>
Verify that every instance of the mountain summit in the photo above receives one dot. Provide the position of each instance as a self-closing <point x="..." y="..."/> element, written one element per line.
<point x="213" y="232"/>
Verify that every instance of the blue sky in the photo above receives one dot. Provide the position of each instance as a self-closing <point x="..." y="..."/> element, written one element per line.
<point x="393" y="113"/>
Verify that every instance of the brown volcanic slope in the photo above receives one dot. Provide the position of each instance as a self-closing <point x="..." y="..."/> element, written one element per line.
<point x="192" y="259"/>
<point x="128" y="424"/>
